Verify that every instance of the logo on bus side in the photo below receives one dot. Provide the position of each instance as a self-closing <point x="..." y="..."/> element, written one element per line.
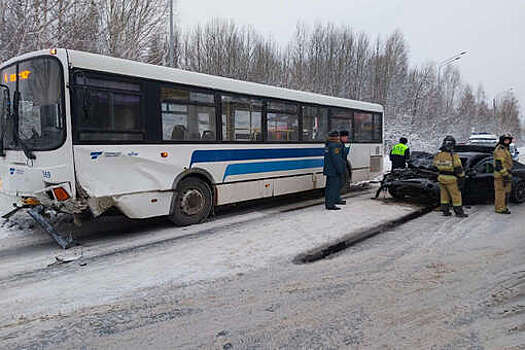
<point x="13" y="171"/>
<point x="95" y="155"/>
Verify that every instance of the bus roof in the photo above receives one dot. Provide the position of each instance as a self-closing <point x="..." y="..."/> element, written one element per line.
<point x="78" y="59"/>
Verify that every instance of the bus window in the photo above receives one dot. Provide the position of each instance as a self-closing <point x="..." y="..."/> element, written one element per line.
<point x="315" y="123"/>
<point x="364" y="127"/>
<point x="187" y="115"/>
<point x="341" y="119"/>
<point x="109" y="110"/>
<point x="378" y="127"/>
<point x="241" y="119"/>
<point x="282" y="122"/>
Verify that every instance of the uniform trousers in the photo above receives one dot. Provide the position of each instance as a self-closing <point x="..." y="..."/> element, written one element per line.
<point x="332" y="191"/>
<point x="501" y="189"/>
<point x="449" y="191"/>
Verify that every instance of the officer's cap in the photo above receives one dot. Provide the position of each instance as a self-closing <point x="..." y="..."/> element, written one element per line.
<point x="333" y="133"/>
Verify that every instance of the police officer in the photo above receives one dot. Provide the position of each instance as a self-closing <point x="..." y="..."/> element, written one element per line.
<point x="400" y="154"/>
<point x="450" y="176"/>
<point x="502" y="174"/>
<point x="333" y="169"/>
<point x="344" y="137"/>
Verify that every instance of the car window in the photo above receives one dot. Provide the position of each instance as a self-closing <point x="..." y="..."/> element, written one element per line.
<point x="485" y="166"/>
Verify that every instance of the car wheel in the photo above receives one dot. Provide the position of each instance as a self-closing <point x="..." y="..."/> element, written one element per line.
<point x="395" y="194"/>
<point x="192" y="202"/>
<point x="518" y="192"/>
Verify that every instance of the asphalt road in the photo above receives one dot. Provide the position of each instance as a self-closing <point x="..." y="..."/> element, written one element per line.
<point x="432" y="283"/>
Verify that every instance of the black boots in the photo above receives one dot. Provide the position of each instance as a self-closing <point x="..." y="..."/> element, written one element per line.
<point x="333" y="208"/>
<point x="504" y="211"/>
<point x="445" y="209"/>
<point x="459" y="212"/>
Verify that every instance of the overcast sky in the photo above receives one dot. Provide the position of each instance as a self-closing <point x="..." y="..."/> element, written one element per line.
<point x="493" y="32"/>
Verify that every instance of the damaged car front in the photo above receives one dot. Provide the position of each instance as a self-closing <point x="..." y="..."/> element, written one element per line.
<point x="419" y="182"/>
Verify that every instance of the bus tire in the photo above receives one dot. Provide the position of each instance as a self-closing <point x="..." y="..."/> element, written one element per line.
<point x="192" y="203"/>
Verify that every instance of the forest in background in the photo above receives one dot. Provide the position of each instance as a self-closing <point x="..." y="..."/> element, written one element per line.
<point x="424" y="102"/>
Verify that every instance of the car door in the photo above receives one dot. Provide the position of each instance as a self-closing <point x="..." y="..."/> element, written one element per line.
<point x="480" y="182"/>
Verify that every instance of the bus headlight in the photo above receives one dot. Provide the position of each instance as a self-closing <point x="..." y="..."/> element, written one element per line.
<point x="60" y="194"/>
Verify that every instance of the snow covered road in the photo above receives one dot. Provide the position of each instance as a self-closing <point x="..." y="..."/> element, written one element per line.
<point x="432" y="283"/>
<point x="116" y="263"/>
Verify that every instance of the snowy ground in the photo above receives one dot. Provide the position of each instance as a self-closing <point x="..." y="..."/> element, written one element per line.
<point x="433" y="283"/>
<point x="164" y="254"/>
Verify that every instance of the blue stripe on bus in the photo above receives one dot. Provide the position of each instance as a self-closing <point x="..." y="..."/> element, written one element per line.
<point x="224" y="155"/>
<point x="266" y="167"/>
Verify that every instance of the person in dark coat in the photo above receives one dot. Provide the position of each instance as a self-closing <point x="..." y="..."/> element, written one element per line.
<point x="333" y="169"/>
<point x="400" y="154"/>
<point x="344" y="137"/>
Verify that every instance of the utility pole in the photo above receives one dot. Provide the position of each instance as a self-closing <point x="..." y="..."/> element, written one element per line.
<point x="172" y="39"/>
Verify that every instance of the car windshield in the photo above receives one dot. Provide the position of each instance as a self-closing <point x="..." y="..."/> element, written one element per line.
<point x="40" y="108"/>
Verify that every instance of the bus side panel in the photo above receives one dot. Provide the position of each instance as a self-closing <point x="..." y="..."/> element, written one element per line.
<point x="244" y="191"/>
<point x="294" y="184"/>
<point x="366" y="161"/>
<point x="144" y="205"/>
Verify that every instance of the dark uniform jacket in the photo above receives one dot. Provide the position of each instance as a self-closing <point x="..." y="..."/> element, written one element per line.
<point x="333" y="160"/>
<point x="399" y="156"/>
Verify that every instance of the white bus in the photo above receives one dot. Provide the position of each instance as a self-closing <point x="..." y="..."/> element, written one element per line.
<point x="85" y="133"/>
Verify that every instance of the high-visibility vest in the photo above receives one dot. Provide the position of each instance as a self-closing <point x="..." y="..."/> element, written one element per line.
<point x="399" y="149"/>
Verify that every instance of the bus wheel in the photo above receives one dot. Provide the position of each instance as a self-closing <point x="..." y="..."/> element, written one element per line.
<point x="192" y="203"/>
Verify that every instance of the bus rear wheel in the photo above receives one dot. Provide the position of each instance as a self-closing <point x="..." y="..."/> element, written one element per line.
<point x="192" y="202"/>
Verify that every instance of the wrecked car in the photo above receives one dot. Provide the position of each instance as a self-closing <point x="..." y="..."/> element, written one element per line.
<point x="419" y="182"/>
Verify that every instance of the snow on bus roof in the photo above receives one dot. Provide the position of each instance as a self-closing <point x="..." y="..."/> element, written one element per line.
<point x="79" y="59"/>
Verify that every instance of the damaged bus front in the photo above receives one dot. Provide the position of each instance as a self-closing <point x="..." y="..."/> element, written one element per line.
<point x="36" y="156"/>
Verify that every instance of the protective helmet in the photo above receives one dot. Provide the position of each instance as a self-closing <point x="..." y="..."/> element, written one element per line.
<point x="449" y="142"/>
<point x="505" y="136"/>
<point x="403" y="140"/>
<point x="344" y="133"/>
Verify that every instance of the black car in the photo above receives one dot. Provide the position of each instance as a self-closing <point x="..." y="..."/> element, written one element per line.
<point x="419" y="182"/>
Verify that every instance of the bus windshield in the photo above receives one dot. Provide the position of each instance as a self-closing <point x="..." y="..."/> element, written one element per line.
<point x="39" y="124"/>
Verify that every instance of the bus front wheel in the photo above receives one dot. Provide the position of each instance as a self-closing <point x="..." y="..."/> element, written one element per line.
<point x="192" y="202"/>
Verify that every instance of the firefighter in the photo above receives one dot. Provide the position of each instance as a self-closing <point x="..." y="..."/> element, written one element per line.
<point x="400" y="154"/>
<point x="333" y="169"/>
<point x="502" y="174"/>
<point x="451" y="176"/>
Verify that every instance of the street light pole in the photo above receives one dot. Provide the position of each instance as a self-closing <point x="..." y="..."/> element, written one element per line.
<point x="171" y="44"/>
<point x="446" y="62"/>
